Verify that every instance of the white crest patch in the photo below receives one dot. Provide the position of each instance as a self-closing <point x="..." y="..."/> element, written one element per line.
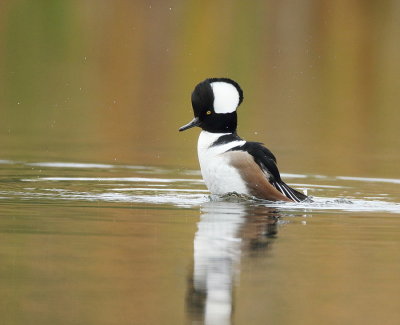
<point x="226" y="97"/>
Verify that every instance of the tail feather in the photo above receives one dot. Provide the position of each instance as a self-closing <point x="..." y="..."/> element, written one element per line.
<point x="289" y="192"/>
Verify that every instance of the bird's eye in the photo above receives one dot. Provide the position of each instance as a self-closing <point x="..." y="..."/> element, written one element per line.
<point x="208" y="112"/>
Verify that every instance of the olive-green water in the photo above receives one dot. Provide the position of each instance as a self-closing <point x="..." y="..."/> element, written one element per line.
<point x="104" y="217"/>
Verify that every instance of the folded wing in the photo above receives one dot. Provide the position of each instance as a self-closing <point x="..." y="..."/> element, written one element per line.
<point x="266" y="161"/>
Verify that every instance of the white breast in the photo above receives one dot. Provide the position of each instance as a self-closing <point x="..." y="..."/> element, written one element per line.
<point x="219" y="176"/>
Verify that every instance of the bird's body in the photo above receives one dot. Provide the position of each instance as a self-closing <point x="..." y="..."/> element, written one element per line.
<point x="218" y="173"/>
<point x="229" y="163"/>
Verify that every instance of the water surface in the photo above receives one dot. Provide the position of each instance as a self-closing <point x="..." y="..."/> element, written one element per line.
<point x="103" y="243"/>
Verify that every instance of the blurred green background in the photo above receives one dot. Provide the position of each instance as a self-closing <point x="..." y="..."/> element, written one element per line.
<point x="110" y="81"/>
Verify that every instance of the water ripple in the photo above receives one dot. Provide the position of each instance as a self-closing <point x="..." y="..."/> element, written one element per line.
<point x="91" y="182"/>
<point x="112" y="179"/>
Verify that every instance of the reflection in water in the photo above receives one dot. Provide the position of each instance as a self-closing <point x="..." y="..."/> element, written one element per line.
<point x="224" y="230"/>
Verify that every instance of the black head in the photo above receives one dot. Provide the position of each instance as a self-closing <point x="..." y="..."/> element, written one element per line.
<point x="214" y="102"/>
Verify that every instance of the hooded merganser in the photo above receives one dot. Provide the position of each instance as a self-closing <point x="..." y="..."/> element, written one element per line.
<point x="228" y="163"/>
